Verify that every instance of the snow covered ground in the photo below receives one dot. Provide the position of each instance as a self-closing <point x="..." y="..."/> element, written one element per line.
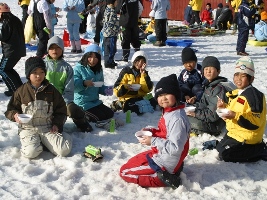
<point x="75" y="177"/>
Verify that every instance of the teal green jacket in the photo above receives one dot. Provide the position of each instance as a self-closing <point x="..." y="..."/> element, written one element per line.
<point x="60" y="75"/>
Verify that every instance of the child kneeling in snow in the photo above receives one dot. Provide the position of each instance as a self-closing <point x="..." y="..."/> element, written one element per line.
<point x="43" y="101"/>
<point x="246" y="118"/>
<point x="161" y="166"/>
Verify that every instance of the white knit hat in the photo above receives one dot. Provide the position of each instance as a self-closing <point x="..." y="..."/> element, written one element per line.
<point x="245" y="65"/>
<point x="152" y="13"/>
<point x="139" y="53"/>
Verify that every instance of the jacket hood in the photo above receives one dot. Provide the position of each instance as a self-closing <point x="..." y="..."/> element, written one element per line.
<point x="139" y="53"/>
<point x="55" y="40"/>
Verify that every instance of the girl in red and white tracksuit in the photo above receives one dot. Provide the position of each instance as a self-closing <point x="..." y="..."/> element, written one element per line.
<point x="161" y="166"/>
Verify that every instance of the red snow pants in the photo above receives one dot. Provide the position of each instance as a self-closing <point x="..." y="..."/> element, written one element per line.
<point x="137" y="170"/>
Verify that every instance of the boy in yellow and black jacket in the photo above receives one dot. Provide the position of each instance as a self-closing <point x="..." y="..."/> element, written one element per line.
<point x="246" y="118"/>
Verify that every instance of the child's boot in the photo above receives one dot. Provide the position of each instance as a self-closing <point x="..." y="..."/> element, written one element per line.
<point x="73" y="47"/>
<point x="83" y="125"/>
<point x="78" y="46"/>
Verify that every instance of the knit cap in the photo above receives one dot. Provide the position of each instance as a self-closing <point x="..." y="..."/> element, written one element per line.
<point x="188" y="55"/>
<point x="137" y="54"/>
<point x="264" y="15"/>
<point x="55" y="40"/>
<point x="32" y="63"/>
<point x="168" y="85"/>
<point x="93" y="48"/>
<point x="4" y="8"/>
<point x="245" y="65"/>
<point x="211" y="61"/>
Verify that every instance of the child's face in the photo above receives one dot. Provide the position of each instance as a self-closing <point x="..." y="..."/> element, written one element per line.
<point x="92" y="60"/>
<point x="37" y="76"/>
<point x="166" y="100"/>
<point x="207" y="7"/>
<point x="140" y="64"/>
<point x="190" y="65"/>
<point x="55" y="51"/>
<point x="241" y="80"/>
<point x="211" y="73"/>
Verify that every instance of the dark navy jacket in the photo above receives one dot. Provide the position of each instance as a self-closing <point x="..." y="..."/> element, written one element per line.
<point x="245" y="14"/>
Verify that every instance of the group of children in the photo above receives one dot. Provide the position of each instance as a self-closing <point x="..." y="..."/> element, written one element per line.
<point x="54" y="91"/>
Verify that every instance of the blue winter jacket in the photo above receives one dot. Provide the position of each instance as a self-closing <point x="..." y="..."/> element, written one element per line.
<point x="72" y="15"/>
<point x="87" y="97"/>
<point x="261" y="31"/>
<point x="245" y="14"/>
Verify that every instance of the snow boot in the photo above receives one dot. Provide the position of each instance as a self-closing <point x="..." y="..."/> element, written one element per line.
<point x="73" y="47"/>
<point x="125" y="55"/>
<point x="78" y="46"/>
<point x="83" y="125"/>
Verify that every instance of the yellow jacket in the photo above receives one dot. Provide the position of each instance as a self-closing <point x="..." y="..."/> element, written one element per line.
<point x="196" y="4"/>
<point x="249" y="123"/>
<point x="24" y="2"/>
<point x="235" y="4"/>
<point x="130" y="76"/>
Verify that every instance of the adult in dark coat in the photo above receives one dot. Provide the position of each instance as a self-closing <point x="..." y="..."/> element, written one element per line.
<point x="225" y="16"/>
<point x="13" y="48"/>
<point x="128" y="10"/>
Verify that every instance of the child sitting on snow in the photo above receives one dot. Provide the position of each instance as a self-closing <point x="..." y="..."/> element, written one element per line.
<point x="161" y="166"/>
<point x="129" y="98"/>
<point x="43" y="101"/>
<point x="205" y="118"/>
<point x="190" y="79"/>
<point x="246" y="118"/>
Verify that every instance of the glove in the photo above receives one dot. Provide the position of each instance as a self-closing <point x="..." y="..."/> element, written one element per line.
<point x="210" y="145"/>
<point x="109" y="91"/>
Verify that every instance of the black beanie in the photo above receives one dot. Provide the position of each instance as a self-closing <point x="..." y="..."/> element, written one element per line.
<point x="211" y="61"/>
<point x="188" y="54"/>
<point x="168" y="85"/>
<point x="32" y="63"/>
<point x="220" y="5"/>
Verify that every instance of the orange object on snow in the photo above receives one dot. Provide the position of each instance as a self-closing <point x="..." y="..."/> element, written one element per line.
<point x="66" y="39"/>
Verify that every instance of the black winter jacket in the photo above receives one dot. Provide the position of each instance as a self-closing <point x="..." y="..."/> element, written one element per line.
<point x="128" y="13"/>
<point x="12" y="36"/>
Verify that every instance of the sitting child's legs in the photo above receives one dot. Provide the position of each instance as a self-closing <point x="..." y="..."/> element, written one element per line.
<point x="137" y="171"/>
<point x="31" y="145"/>
<point x="58" y="143"/>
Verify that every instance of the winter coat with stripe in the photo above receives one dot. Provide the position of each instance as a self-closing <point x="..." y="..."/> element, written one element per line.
<point x="170" y="142"/>
<point x="45" y="104"/>
<point x="60" y="74"/>
<point x="131" y="76"/>
<point x="245" y="13"/>
<point x="250" y="120"/>
<point x="87" y="97"/>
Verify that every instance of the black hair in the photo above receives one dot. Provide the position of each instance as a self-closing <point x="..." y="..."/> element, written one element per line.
<point x="84" y="61"/>
<point x="5" y="17"/>
<point x="136" y="60"/>
<point x="208" y="4"/>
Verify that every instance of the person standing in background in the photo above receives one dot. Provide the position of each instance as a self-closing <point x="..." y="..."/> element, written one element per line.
<point x="235" y="4"/>
<point x="160" y="7"/>
<point x="129" y="13"/>
<point x="83" y="25"/>
<point x="196" y="7"/>
<point x="42" y="17"/>
<point x="13" y="48"/>
<point x="24" y="6"/>
<point x="73" y="8"/>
